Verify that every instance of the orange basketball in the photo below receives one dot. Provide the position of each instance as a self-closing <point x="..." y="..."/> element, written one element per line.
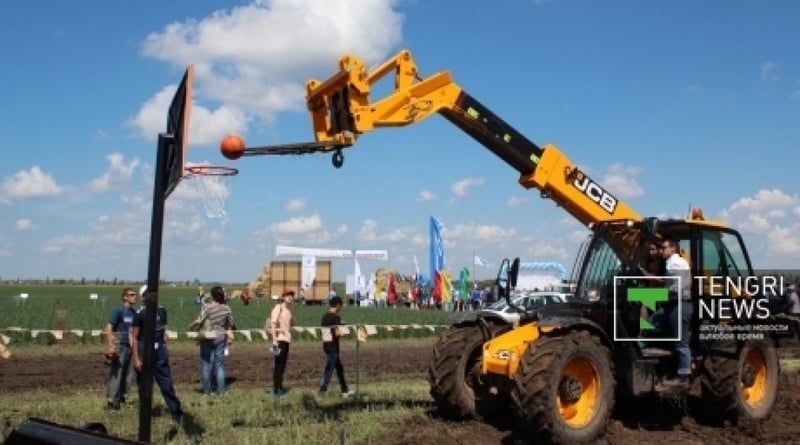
<point x="232" y="146"/>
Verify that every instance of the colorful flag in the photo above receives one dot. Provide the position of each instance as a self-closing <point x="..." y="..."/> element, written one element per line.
<point x="463" y="284"/>
<point x="436" y="246"/>
<point x="391" y="293"/>
<point x="447" y="286"/>
<point x="481" y="261"/>
<point x="436" y="290"/>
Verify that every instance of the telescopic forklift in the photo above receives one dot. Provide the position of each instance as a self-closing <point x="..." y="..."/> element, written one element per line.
<point x="562" y="368"/>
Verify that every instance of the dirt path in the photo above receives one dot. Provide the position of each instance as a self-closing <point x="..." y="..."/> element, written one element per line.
<point x="642" y="423"/>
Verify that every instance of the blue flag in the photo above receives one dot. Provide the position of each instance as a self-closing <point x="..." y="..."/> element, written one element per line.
<point x="436" y="247"/>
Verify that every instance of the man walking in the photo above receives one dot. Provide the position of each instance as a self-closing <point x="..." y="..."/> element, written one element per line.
<point x="118" y="349"/>
<point x="161" y="370"/>
<point x="330" y="335"/>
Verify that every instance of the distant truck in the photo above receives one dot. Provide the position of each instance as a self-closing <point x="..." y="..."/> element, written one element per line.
<point x="288" y="274"/>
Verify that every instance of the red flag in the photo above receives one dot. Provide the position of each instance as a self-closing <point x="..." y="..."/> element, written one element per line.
<point x="437" y="287"/>
<point x="391" y="293"/>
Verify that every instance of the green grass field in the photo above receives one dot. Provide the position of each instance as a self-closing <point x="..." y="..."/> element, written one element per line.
<point x="70" y="308"/>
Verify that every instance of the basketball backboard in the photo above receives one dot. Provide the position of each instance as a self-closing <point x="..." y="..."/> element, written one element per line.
<point x="178" y="128"/>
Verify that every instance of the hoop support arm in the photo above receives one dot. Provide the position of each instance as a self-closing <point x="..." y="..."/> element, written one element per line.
<point x="291" y="149"/>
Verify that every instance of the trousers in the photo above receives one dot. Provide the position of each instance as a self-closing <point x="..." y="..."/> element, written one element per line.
<point x="675" y="320"/>
<point x="212" y="355"/>
<point x="163" y="377"/>
<point x="120" y="377"/>
<point x="332" y="363"/>
<point x="280" y="367"/>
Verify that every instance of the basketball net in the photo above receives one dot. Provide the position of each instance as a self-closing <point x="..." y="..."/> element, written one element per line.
<point x="213" y="184"/>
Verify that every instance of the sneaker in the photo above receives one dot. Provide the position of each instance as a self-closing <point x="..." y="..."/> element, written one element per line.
<point x="347" y="394"/>
<point x="113" y="405"/>
<point x="673" y="384"/>
<point x="279" y="393"/>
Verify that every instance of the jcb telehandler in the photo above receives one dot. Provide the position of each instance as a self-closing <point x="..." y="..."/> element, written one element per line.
<point x="561" y="370"/>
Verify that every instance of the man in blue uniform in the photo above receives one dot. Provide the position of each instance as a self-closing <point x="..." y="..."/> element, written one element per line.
<point x="161" y="370"/>
<point x="118" y="349"/>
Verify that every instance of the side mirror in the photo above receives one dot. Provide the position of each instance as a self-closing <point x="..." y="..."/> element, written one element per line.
<point x="502" y="280"/>
<point x="513" y="274"/>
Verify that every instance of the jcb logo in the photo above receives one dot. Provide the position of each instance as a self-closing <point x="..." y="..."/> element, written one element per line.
<point x="595" y="192"/>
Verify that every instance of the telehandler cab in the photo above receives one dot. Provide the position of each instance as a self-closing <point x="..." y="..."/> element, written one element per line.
<point x="561" y="370"/>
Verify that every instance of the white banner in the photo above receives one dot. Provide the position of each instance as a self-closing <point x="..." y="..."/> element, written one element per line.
<point x="309" y="272"/>
<point x="320" y="253"/>
<point x="382" y="255"/>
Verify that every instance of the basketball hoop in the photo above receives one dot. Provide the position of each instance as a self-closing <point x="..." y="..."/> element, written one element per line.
<point x="212" y="182"/>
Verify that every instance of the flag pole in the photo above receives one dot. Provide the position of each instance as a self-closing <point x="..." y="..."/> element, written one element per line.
<point x="473" y="269"/>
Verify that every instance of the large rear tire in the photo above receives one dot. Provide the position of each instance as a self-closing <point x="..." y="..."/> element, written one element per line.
<point x="564" y="391"/>
<point x="741" y="382"/>
<point x="454" y="373"/>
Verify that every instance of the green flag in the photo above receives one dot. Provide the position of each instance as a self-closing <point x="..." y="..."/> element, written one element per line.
<point x="464" y="284"/>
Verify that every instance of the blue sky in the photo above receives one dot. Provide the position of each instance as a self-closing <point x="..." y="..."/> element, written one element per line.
<point x="667" y="104"/>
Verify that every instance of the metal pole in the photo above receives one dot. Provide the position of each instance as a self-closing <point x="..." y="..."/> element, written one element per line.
<point x="153" y="272"/>
<point x="357" y="368"/>
<point x="473" y="269"/>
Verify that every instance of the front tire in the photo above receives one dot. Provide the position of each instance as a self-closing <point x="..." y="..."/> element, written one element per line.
<point x="454" y="373"/>
<point x="564" y="390"/>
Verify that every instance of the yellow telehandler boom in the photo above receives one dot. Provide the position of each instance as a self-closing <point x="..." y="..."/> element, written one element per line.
<point x="342" y="110"/>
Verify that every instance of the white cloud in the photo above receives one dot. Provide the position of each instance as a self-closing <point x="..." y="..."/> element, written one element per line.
<point x="61" y="243"/>
<point x="303" y="230"/>
<point x="254" y="59"/>
<point x="296" y="204"/>
<point x="25" y="224"/>
<point x="547" y="250"/>
<point x="516" y="201"/>
<point x="765" y="200"/>
<point x="207" y="126"/>
<point x="768" y="70"/>
<point x="116" y="176"/>
<point x="461" y="188"/>
<point x="620" y="180"/>
<point x="368" y="231"/>
<point x="770" y="224"/>
<point x="478" y="233"/>
<point x="368" y="234"/>
<point x="297" y="226"/>
<point x="426" y="195"/>
<point x="33" y="183"/>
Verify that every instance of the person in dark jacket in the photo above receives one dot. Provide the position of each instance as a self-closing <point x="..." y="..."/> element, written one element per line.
<point x="331" y="322"/>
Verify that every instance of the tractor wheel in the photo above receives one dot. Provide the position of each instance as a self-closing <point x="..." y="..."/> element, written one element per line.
<point x="564" y="389"/>
<point x="741" y="384"/>
<point x="454" y="373"/>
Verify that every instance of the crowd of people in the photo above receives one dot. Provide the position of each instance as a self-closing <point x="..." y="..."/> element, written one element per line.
<point x="420" y="297"/>
<point x="214" y="325"/>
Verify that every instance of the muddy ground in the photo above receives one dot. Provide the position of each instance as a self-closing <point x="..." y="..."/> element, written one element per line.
<point x="640" y="423"/>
